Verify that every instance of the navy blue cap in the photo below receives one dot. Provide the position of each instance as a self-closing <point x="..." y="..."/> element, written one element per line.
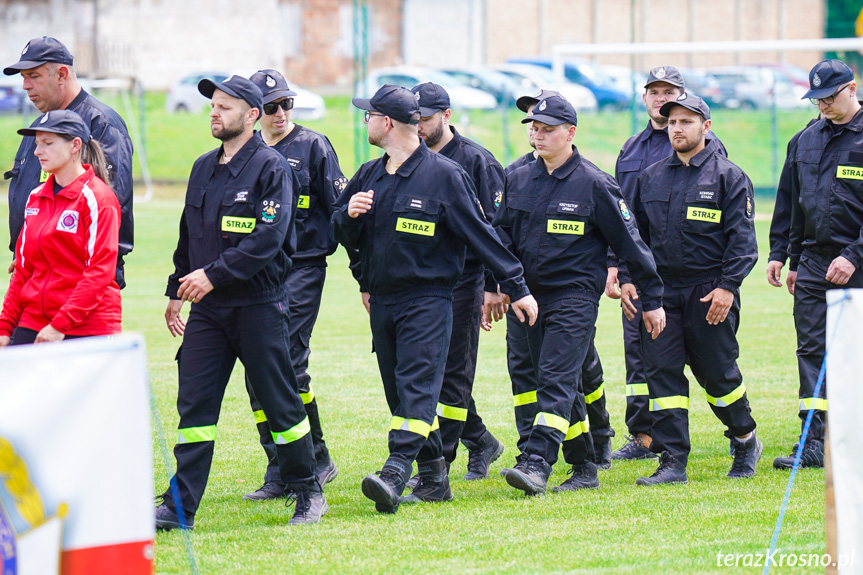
<point x="525" y="102"/>
<point x="432" y="98"/>
<point x="688" y="101"/>
<point x="553" y="110"/>
<point x="826" y="77"/>
<point x="235" y="86"/>
<point x="272" y="85"/>
<point x="39" y="51"/>
<point x="667" y="74"/>
<point x="59" y="122"/>
<point x="398" y="103"/>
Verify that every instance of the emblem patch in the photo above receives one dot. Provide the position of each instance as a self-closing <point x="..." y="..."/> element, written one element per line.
<point x="44" y="118"/>
<point x="417" y="96"/>
<point x="340" y="184"/>
<point x="660" y="73"/>
<point x="542" y="105"/>
<point x="68" y="221"/>
<point x="624" y="211"/>
<point x="270" y="211"/>
<point x="31" y="212"/>
<point x="27" y="47"/>
<point x="816" y="79"/>
<point x="682" y="96"/>
<point x="271" y="82"/>
<point x="748" y="207"/>
<point x="498" y="198"/>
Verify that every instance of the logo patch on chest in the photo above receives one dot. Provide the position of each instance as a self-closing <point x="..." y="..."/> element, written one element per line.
<point x="31" y="212"/>
<point x="68" y="221"/>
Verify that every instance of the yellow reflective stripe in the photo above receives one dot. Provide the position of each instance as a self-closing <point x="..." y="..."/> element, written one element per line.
<point x="671" y="402"/>
<point x="565" y="227"/>
<point x="308" y="397"/>
<point x="808" y="403"/>
<point x="259" y="416"/>
<point x="849" y="172"/>
<point x="727" y="399"/>
<point x="588" y="399"/>
<point x="303" y="202"/>
<point x="196" y="434"/>
<point x="551" y="420"/>
<point x="452" y="412"/>
<point x="293" y="434"/>
<point x="413" y="425"/>
<point x="525" y="398"/>
<point x="633" y="389"/>
<point x="703" y="215"/>
<point x="577" y="429"/>
<point x="435" y="424"/>
<point x="417" y="227"/>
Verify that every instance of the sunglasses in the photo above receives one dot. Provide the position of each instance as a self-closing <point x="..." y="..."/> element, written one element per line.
<point x="273" y="107"/>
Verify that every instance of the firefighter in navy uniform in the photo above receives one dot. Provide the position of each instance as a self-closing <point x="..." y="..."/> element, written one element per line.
<point x="826" y="229"/>
<point x="411" y="213"/>
<point x="231" y="263"/>
<point x="559" y="215"/>
<point x="313" y="160"/>
<point x="695" y="211"/>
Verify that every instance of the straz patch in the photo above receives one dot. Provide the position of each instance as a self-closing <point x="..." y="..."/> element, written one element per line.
<point x="340" y="184"/>
<point x="703" y="215"/>
<point x="68" y="222"/>
<point x="498" y="198"/>
<point x="415" y="227"/>
<point x="31" y="212"/>
<point x="624" y="210"/>
<point x="303" y="202"/>
<point x="706" y="195"/>
<point x="565" y="227"/>
<point x="269" y="211"/>
<point x="566" y="207"/>
<point x="43" y="176"/>
<point x="238" y="225"/>
<point x="849" y="172"/>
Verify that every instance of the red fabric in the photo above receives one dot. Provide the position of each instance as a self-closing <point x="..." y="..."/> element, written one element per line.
<point x="66" y="261"/>
<point x="127" y="558"/>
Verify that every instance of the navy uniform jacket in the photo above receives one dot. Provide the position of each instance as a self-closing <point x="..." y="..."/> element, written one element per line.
<point x="697" y="219"/>
<point x="519" y="162"/>
<point x="412" y="241"/>
<point x="561" y="225"/>
<point x="235" y="224"/>
<point x="109" y="129"/>
<point x="827" y="192"/>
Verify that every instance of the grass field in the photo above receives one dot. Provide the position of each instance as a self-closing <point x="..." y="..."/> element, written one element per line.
<point x="489" y="527"/>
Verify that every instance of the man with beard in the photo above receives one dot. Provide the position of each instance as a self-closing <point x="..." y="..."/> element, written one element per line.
<point x="232" y="264"/>
<point x="695" y="211"/>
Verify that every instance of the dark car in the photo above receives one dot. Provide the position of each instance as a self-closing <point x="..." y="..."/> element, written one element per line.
<point x="607" y="94"/>
<point x="12" y="96"/>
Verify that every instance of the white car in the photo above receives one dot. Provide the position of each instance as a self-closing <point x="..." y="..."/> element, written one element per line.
<point x="535" y="78"/>
<point x="184" y="97"/>
<point x="461" y="97"/>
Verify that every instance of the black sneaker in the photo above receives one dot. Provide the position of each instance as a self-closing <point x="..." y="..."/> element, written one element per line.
<point x="670" y="470"/>
<point x="746" y="456"/>
<point x="602" y="454"/>
<point x="412" y="482"/>
<point x="480" y="455"/>
<point x="326" y="471"/>
<point x="433" y="483"/>
<point x="531" y="475"/>
<point x="385" y="488"/>
<point x="633" y="449"/>
<point x="583" y="476"/>
<point x="269" y="490"/>
<point x="813" y="456"/>
<point x="166" y="519"/>
<point x="309" y="507"/>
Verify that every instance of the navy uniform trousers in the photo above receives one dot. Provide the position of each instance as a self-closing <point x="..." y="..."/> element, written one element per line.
<point x="712" y="352"/>
<point x="305" y="288"/>
<point x="214" y="339"/>
<point x="637" y="416"/>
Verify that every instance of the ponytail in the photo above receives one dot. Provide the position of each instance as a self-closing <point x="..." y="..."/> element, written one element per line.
<point x="91" y="153"/>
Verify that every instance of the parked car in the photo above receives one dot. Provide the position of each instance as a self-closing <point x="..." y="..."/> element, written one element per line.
<point x="184" y="97"/>
<point x="794" y="74"/>
<point x="501" y="86"/>
<point x="708" y="89"/>
<point x="756" y="88"/>
<point x="534" y="78"/>
<point x="461" y="96"/>
<point x="13" y="98"/>
<point x="584" y="73"/>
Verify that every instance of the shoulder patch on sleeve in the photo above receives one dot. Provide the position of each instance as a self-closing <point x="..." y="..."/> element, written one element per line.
<point x="340" y="184"/>
<point x="748" y="206"/>
<point x="270" y="210"/>
<point x="624" y="210"/>
<point x="498" y="198"/>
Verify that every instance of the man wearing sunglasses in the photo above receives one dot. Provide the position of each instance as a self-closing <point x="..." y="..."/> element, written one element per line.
<point x="320" y="181"/>
<point x="825" y="238"/>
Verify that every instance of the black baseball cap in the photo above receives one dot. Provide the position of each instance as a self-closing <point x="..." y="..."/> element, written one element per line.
<point x="667" y="74"/>
<point x="525" y="102"/>
<point x="237" y="87"/>
<point x="59" y="122"/>
<point x="826" y="77"/>
<point x="39" y="51"/>
<point x="272" y="85"/>
<point x="432" y="98"/>
<point x="398" y="103"/>
<point x="553" y="110"/>
<point x="688" y="101"/>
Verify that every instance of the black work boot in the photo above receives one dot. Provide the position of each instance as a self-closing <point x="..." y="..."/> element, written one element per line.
<point x="602" y="453"/>
<point x="167" y="519"/>
<point x="633" y="449"/>
<point x="325" y="470"/>
<point x="386" y="486"/>
<point x="433" y="483"/>
<point x="813" y="456"/>
<point x="521" y="457"/>
<point x="530" y="475"/>
<point x="584" y="476"/>
<point x="746" y="456"/>
<point x="309" y="504"/>
<point x="670" y="470"/>
<point x="269" y="490"/>
<point x="480" y="454"/>
<point x="412" y="482"/>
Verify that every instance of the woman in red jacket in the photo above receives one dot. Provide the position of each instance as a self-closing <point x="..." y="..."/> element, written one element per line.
<point x="66" y="257"/>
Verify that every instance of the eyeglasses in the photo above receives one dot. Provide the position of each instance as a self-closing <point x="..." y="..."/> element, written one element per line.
<point x="369" y="114"/>
<point x="829" y="99"/>
<point x="273" y="107"/>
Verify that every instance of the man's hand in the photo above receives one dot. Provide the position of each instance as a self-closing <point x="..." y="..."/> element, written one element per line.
<point x="840" y="271"/>
<point x="493" y="309"/>
<point x="774" y="273"/>
<point x="526" y="305"/>
<point x="612" y="289"/>
<point x="48" y="334"/>
<point x="360" y="203"/>
<point x="4" y="340"/>
<point x="721" y="302"/>
<point x="627" y="294"/>
<point x="176" y="325"/>
<point x="365" y="295"/>
<point x="791" y="281"/>
<point x="654" y="321"/>
<point x="194" y="286"/>
<point x="11" y="267"/>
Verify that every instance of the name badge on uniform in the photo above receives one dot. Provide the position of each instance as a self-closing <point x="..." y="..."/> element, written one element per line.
<point x="415" y="227"/>
<point x="242" y="197"/>
<point x="295" y="163"/>
<point x="565" y="227"/>
<point x="703" y="215"/>
<point x="567" y="207"/>
<point x="849" y="172"/>
<point x="706" y="195"/>
<point x="416" y="204"/>
<point x="31" y="212"/>
<point x="238" y="225"/>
